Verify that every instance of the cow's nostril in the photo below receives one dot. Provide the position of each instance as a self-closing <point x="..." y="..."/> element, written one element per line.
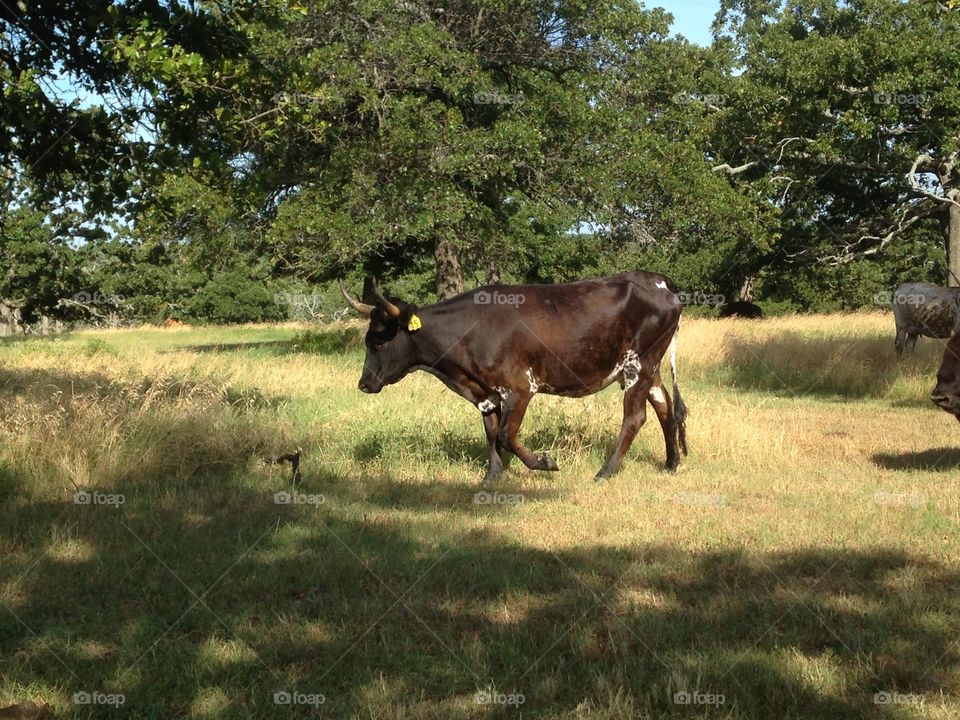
<point x="940" y="399"/>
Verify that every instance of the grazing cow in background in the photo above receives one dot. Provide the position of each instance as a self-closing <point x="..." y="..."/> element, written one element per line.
<point x="741" y="309"/>
<point x="921" y="309"/>
<point x="946" y="393"/>
<point x="499" y="345"/>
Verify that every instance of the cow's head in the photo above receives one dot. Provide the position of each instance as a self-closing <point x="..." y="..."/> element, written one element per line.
<point x="390" y="349"/>
<point x="946" y="394"/>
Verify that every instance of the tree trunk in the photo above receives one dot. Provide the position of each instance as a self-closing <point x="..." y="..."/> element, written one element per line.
<point x="953" y="237"/>
<point x="492" y="272"/>
<point x="746" y="290"/>
<point x="449" y="272"/>
<point x="10" y="315"/>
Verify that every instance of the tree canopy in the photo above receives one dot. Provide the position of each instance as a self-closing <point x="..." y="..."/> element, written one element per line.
<point x="196" y="159"/>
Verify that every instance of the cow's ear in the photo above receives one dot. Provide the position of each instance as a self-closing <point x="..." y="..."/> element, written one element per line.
<point x="410" y="320"/>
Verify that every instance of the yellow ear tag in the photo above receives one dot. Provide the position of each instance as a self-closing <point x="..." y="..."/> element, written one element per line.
<point x="414" y="323"/>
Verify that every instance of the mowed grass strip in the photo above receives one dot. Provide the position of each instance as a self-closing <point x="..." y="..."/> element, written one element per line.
<point x="802" y="564"/>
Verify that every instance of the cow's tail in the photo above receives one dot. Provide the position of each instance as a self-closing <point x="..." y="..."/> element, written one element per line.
<point x="679" y="409"/>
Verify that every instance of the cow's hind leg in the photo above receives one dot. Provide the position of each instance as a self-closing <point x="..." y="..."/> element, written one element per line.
<point x="900" y="340"/>
<point x="634" y="415"/>
<point x="512" y="412"/>
<point x="491" y="426"/>
<point x="663" y="407"/>
<point x="912" y="341"/>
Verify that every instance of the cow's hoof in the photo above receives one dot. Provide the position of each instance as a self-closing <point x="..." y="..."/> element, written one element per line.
<point x="489" y="479"/>
<point x="600" y="478"/>
<point x="547" y="463"/>
<point x="671" y="469"/>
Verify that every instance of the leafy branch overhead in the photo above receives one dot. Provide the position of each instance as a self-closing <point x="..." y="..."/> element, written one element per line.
<point x="452" y="142"/>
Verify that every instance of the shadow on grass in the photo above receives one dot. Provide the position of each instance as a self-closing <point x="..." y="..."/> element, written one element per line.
<point x="10" y="485"/>
<point x="921" y="401"/>
<point x="329" y="340"/>
<point x="219" y="599"/>
<point x="540" y="437"/>
<point x="797" y="365"/>
<point x="326" y="340"/>
<point x="934" y="459"/>
<point x="17" y="339"/>
<point x="447" y="496"/>
<point x="43" y="386"/>
<point x="272" y="347"/>
<point x="448" y="446"/>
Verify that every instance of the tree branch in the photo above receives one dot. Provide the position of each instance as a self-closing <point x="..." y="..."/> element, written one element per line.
<point x="925" y="163"/>
<point x="725" y="167"/>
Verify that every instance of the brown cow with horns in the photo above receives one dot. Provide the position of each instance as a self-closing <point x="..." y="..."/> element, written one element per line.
<point x="499" y="345"/>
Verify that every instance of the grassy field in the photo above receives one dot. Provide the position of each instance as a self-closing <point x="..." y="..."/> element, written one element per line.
<point x="802" y="564"/>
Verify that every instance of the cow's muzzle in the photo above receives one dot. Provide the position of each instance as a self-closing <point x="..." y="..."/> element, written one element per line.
<point x="367" y="388"/>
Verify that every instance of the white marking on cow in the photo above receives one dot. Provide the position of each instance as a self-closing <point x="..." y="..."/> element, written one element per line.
<point x="631" y="369"/>
<point x="486" y="406"/>
<point x="657" y="395"/>
<point x="628" y="370"/>
<point x="534" y="385"/>
<point x="673" y="354"/>
<point x="613" y="374"/>
<point x="503" y="392"/>
<point x="662" y="285"/>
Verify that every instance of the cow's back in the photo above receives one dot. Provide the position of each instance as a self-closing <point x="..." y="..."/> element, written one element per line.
<point x="569" y="336"/>
<point x="575" y="311"/>
<point x="928" y="310"/>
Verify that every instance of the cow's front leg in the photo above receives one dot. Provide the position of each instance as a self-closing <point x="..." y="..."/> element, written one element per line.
<point x="512" y="410"/>
<point x="491" y="426"/>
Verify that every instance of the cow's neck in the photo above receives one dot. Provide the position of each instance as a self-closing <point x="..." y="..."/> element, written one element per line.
<point x="433" y="348"/>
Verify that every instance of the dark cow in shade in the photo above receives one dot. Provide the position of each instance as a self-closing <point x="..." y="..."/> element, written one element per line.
<point x="921" y="309"/>
<point x="741" y="309"/>
<point x="946" y="393"/>
<point x="500" y="345"/>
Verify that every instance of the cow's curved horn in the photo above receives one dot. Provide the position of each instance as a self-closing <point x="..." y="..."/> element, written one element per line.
<point x="360" y="307"/>
<point x="392" y="310"/>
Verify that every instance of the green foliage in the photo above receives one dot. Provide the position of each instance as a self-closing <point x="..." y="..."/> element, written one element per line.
<point x="191" y="256"/>
<point x="278" y="146"/>
<point x="39" y="268"/>
<point x="235" y="295"/>
<point x="391" y="128"/>
<point x="832" y="105"/>
<point x="96" y="346"/>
